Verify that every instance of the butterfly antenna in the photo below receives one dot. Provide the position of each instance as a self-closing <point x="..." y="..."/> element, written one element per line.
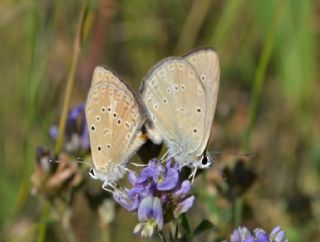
<point x="250" y="155"/>
<point x="78" y="160"/>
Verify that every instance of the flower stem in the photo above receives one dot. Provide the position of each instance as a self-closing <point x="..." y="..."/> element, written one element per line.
<point x="238" y="205"/>
<point x="41" y="236"/>
<point x="69" y="234"/>
<point x="161" y="236"/>
<point x="64" y="212"/>
<point x="71" y="78"/>
<point x="105" y="234"/>
<point x="191" y="28"/>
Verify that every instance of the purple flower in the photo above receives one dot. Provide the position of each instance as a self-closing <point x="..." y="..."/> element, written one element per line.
<point x="125" y="200"/>
<point x="76" y="132"/>
<point x="183" y="189"/>
<point x="151" y="215"/>
<point x="242" y="234"/>
<point x="168" y="178"/>
<point x="132" y="178"/>
<point x="261" y="235"/>
<point x="157" y="195"/>
<point x="277" y="235"/>
<point x="165" y="178"/>
<point x="184" y="206"/>
<point x="150" y="208"/>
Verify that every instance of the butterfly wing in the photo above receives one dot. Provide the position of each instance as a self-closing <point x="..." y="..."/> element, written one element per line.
<point x="114" y="116"/>
<point x="175" y="99"/>
<point x="206" y="62"/>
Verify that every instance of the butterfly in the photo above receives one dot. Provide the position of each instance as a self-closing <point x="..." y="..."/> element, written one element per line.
<point x="180" y="95"/>
<point x="114" y="116"/>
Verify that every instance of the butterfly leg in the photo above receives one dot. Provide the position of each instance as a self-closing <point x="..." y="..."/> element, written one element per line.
<point x="193" y="174"/>
<point x="107" y="184"/>
<point x="138" y="165"/>
<point x="164" y="156"/>
<point x="169" y="156"/>
<point x="124" y="168"/>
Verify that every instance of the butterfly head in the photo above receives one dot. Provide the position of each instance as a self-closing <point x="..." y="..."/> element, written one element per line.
<point x="96" y="175"/>
<point x="110" y="173"/>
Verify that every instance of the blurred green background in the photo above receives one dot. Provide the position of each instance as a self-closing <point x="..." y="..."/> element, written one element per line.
<point x="268" y="100"/>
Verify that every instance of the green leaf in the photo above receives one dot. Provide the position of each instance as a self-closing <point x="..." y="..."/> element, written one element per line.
<point x="185" y="224"/>
<point x="204" y="226"/>
<point x="176" y="232"/>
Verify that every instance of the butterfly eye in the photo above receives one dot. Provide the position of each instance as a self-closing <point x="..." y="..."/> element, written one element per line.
<point x="91" y="172"/>
<point x="204" y="160"/>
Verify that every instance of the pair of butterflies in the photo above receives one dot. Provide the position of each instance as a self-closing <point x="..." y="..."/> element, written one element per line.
<point x="176" y="104"/>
